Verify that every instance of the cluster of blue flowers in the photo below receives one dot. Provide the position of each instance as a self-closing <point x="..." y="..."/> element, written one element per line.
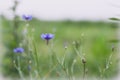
<point x="46" y="36"/>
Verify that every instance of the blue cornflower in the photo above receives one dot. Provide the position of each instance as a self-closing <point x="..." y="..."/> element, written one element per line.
<point x="18" y="50"/>
<point x="29" y="68"/>
<point x="47" y="36"/>
<point x="27" y="17"/>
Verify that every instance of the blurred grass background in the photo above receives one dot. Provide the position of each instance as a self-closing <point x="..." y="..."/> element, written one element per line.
<point x="96" y="38"/>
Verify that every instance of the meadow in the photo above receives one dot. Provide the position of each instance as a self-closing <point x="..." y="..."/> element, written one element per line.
<point x="78" y="49"/>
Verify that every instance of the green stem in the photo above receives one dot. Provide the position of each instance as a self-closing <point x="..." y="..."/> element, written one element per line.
<point x="19" y="68"/>
<point x="72" y="68"/>
<point x="15" y="21"/>
<point x="50" y="71"/>
<point x="36" y="59"/>
<point x="84" y="72"/>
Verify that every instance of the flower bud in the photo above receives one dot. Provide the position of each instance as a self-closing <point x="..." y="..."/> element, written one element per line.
<point x="83" y="61"/>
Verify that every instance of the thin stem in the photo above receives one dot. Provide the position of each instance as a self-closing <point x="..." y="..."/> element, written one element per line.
<point x="50" y="71"/>
<point x="37" y="60"/>
<point x="19" y="68"/>
<point x="67" y="74"/>
<point x="72" y="68"/>
<point x="15" y="21"/>
<point x="84" y="68"/>
<point x="47" y="42"/>
<point x="30" y="75"/>
<point x="84" y="72"/>
<point x="63" y="68"/>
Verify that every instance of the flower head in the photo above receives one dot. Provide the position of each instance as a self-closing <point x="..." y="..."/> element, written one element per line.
<point x="47" y="36"/>
<point x="27" y="17"/>
<point x="29" y="68"/>
<point x="18" y="50"/>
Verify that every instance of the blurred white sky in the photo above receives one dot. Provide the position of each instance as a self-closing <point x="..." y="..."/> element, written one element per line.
<point x="65" y="9"/>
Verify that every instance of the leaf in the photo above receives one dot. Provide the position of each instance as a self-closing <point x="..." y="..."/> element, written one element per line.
<point x="116" y="19"/>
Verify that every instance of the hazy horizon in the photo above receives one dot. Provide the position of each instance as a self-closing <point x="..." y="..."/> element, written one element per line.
<point x="64" y="9"/>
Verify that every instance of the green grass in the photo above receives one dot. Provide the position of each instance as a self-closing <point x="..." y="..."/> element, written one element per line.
<point x="96" y="40"/>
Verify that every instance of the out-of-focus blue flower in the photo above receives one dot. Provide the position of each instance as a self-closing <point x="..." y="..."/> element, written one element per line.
<point x="27" y="17"/>
<point x="47" y="36"/>
<point x="29" y="68"/>
<point x="18" y="50"/>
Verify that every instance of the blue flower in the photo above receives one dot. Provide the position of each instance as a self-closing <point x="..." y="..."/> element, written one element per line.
<point x="27" y="17"/>
<point x="47" y="36"/>
<point x="29" y="68"/>
<point x="18" y="50"/>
